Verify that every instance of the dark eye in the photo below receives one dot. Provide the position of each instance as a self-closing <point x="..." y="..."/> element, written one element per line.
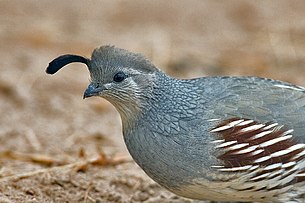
<point x="119" y="77"/>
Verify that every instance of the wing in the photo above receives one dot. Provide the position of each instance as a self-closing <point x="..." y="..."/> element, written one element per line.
<point x="261" y="100"/>
<point x="259" y="132"/>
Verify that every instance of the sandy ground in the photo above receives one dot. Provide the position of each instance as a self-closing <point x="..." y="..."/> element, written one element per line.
<point x="56" y="147"/>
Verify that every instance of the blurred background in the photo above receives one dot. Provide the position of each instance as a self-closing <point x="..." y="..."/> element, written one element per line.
<point x="45" y="123"/>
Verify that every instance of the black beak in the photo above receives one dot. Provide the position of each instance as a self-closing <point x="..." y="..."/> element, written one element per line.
<point x="92" y="90"/>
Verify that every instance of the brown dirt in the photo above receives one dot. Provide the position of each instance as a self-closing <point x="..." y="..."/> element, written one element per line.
<point x="56" y="147"/>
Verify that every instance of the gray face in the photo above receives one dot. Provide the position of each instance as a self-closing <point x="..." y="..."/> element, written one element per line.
<point x="121" y="77"/>
<point x="115" y="83"/>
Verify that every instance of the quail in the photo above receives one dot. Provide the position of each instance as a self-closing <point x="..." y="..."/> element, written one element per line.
<point x="209" y="138"/>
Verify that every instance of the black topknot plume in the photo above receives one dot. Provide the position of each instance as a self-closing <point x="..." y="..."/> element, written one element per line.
<point x="63" y="60"/>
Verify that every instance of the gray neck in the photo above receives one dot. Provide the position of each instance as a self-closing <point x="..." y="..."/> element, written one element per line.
<point x="174" y="99"/>
<point x="159" y="139"/>
<point x="167" y="100"/>
<point x="134" y="107"/>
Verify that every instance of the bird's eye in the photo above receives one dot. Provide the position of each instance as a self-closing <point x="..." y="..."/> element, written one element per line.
<point x="119" y="77"/>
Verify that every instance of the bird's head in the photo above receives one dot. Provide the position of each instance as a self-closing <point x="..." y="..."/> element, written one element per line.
<point x="124" y="78"/>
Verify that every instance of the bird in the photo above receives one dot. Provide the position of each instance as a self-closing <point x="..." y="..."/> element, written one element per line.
<point x="218" y="138"/>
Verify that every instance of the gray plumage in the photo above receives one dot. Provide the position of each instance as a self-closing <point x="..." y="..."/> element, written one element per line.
<point x="168" y="128"/>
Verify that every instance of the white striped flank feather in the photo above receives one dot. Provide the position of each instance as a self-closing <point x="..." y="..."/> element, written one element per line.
<point x="266" y="155"/>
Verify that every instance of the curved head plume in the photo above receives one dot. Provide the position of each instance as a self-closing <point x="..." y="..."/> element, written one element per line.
<point x="63" y="60"/>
